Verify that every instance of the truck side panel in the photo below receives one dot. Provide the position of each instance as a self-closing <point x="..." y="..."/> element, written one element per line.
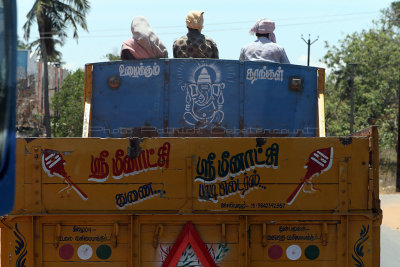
<point x="173" y="175"/>
<point x="251" y="201"/>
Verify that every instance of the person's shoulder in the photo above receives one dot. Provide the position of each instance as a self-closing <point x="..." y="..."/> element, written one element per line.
<point x="281" y="49"/>
<point x="274" y="46"/>
<point x="183" y="38"/>
<point x="277" y="45"/>
<point x="254" y="43"/>
<point x="127" y="41"/>
<point x="210" y="40"/>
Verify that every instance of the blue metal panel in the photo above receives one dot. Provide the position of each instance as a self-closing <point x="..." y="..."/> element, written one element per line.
<point x="203" y="97"/>
<point x="204" y="94"/>
<point x="137" y="102"/>
<point x="8" y="52"/>
<point x="271" y="108"/>
<point x="22" y="64"/>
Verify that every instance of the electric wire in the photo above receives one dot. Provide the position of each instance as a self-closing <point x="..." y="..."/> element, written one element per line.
<point x="247" y="21"/>
<point x="218" y="30"/>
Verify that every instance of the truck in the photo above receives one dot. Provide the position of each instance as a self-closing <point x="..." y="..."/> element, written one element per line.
<point x="197" y="162"/>
<point x="194" y="162"/>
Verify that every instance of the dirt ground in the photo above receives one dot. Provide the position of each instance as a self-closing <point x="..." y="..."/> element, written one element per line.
<point x="390" y="204"/>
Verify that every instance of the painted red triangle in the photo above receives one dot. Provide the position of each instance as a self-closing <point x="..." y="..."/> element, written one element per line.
<point x="190" y="236"/>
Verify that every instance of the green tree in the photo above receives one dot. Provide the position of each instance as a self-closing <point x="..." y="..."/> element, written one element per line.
<point x="21" y="44"/>
<point x="53" y="18"/>
<point x="68" y="106"/>
<point x="112" y="57"/>
<point x="376" y="54"/>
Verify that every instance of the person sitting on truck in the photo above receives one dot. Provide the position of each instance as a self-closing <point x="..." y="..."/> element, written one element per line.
<point x="144" y="42"/>
<point x="265" y="47"/>
<point x="194" y="44"/>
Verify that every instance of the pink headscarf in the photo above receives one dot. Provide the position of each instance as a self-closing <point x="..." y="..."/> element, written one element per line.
<point x="264" y="26"/>
<point x="136" y="49"/>
<point x="144" y="43"/>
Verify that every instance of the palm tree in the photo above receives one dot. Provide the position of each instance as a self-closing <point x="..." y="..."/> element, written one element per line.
<point x="53" y="18"/>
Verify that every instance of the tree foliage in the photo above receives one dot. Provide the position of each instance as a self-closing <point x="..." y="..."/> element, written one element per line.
<point x="112" y="56"/>
<point x="68" y="106"/>
<point x="372" y="57"/>
<point x="54" y="17"/>
<point x="21" y="44"/>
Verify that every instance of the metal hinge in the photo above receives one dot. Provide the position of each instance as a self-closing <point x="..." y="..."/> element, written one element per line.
<point x="114" y="236"/>
<point x="57" y="235"/>
<point x="370" y="187"/>
<point x="264" y="235"/>
<point x="324" y="234"/>
<point x="223" y="234"/>
<point x="157" y="234"/>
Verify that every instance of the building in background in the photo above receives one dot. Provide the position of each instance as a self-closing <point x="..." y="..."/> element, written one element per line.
<point x="30" y="100"/>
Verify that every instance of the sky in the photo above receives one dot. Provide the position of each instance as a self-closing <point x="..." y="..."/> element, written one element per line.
<point x="226" y="22"/>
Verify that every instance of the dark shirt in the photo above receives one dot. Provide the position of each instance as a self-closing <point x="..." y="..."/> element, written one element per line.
<point x="126" y="55"/>
<point x="195" y="45"/>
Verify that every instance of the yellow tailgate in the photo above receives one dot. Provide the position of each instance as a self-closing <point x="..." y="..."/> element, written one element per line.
<point x="192" y="174"/>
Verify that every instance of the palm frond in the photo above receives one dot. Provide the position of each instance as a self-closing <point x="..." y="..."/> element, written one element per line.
<point x="53" y="18"/>
<point x="31" y="17"/>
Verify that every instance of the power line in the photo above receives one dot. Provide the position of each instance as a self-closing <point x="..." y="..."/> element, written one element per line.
<point x="245" y="21"/>
<point x="209" y="30"/>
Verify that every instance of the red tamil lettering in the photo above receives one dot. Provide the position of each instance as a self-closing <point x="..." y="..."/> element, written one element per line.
<point x="127" y="164"/>
<point x="148" y="153"/>
<point x="124" y="165"/>
<point x="118" y="164"/>
<point x="163" y="155"/>
<point x="142" y="160"/>
<point x="99" y="166"/>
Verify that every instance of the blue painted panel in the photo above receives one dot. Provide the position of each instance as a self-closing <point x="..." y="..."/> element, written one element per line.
<point x="137" y="102"/>
<point x="202" y="97"/>
<point x="204" y="94"/>
<point x="22" y="64"/>
<point x="271" y="108"/>
<point x="8" y="54"/>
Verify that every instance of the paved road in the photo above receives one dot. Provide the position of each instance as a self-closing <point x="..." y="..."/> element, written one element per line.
<point x="390" y="230"/>
<point x="390" y="247"/>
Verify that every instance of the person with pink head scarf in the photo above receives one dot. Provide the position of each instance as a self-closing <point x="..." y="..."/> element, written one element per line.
<point x="265" y="47"/>
<point x="144" y="42"/>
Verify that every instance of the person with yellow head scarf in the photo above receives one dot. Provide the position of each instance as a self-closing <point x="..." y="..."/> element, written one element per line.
<point x="194" y="44"/>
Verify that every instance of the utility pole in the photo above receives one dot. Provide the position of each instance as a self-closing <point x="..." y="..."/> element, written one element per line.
<point x="398" y="143"/>
<point x="309" y="43"/>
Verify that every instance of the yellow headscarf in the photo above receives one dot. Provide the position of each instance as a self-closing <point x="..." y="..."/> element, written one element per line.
<point x="194" y="19"/>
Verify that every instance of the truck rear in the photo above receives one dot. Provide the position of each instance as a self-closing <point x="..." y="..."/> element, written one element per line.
<point x="197" y="163"/>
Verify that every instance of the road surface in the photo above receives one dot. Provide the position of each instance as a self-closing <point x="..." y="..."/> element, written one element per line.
<point x="390" y="230"/>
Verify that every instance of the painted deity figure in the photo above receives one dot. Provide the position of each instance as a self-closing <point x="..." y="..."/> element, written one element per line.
<point x="204" y="101"/>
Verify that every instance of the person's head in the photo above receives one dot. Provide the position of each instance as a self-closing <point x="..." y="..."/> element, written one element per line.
<point x="195" y="20"/>
<point x="264" y="28"/>
<point x="266" y="35"/>
<point x="140" y="26"/>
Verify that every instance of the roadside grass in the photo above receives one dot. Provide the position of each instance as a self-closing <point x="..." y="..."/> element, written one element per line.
<point x="387" y="170"/>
